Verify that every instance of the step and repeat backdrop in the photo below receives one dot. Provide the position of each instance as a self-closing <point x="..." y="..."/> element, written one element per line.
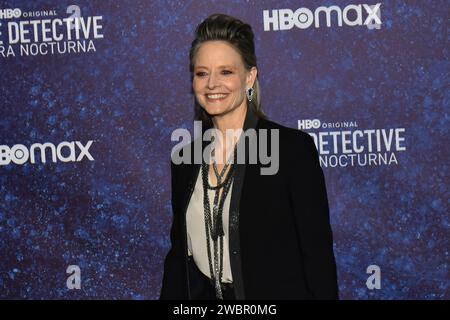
<point x="90" y="92"/>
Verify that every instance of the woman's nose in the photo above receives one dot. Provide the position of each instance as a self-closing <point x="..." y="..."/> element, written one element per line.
<point x="212" y="81"/>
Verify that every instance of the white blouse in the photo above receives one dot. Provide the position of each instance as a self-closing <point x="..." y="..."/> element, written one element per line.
<point x="196" y="234"/>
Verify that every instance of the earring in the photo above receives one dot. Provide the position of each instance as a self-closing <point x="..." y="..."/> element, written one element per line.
<point x="249" y="92"/>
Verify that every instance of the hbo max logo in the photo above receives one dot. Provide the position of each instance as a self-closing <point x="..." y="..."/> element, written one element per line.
<point x="65" y="152"/>
<point x="309" y="124"/>
<point x="10" y="13"/>
<point x="303" y="18"/>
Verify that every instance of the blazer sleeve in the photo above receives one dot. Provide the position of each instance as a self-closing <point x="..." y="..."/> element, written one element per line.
<point x="310" y="202"/>
<point x="174" y="278"/>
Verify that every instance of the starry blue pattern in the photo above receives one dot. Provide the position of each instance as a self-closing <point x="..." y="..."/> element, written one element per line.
<point x="112" y="216"/>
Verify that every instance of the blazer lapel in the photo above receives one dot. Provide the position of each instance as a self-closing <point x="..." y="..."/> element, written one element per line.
<point x="234" y="240"/>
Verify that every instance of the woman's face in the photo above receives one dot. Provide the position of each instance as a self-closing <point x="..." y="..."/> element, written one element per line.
<point x="220" y="78"/>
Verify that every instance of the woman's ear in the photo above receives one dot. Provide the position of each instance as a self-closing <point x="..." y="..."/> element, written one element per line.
<point x="251" y="77"/>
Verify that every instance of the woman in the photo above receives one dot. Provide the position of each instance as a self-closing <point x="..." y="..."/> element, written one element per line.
<point x="237" y="233"/>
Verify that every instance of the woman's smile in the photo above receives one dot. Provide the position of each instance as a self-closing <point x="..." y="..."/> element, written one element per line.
<point x="216" y="97"/>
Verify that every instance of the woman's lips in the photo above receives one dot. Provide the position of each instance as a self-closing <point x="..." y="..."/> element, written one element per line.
<point x="214" y="97"/>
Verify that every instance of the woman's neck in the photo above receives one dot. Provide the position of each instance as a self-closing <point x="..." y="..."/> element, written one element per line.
<point x="233" y="121"/>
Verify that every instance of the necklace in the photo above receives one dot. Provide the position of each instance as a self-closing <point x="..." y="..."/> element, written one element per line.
<point x="214" y="221"/>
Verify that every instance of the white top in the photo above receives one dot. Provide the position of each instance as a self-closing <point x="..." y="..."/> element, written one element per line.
<point x="196" y="233"/>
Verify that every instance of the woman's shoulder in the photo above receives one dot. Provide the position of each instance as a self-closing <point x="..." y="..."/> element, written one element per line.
<point x="295" y="146"/>
<point x="287" y="134"/>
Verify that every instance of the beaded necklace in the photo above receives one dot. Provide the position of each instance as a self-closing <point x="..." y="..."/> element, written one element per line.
<point x="214" y="221"/>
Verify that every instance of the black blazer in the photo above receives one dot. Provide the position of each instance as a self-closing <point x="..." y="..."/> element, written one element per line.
<point x="280" y="237"/>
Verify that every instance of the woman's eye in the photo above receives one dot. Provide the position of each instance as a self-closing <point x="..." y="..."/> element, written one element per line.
<point x="202" y="74"/>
